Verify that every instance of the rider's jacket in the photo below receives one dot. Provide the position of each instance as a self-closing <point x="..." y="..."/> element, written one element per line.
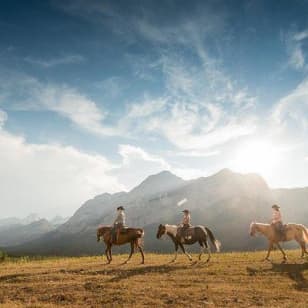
<point x="277" y="217"/>
<point x="120" y="220"/>
<point x="186" y="219"/>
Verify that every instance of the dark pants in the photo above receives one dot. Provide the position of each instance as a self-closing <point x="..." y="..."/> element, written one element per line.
<point x="279" y="228"/>
<point x="115" y="232"/>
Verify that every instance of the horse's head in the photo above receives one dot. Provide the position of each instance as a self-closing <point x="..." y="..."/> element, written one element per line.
<point x="253" y="228"/>
<point x="161" y="231"/>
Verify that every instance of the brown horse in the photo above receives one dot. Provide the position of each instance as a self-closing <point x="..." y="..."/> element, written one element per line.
<point x="128" y="235"/>
<point x="296" y="232"/>
<point x="199" y="234"/>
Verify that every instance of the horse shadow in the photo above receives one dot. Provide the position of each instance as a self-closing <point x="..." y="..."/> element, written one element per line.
<point x="293" y="271"/>
<point x="122" y="274"/>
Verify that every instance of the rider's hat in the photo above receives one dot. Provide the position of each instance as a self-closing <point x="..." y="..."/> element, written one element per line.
<point x="276" y="207"/>
<point x="120" y="208"/>
<point x="186" y="211"/>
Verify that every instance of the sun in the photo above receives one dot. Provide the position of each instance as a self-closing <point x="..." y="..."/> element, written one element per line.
<point x="258" y="156"/>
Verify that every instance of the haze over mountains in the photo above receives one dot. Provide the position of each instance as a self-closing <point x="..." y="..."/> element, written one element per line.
<point x="226" y="202"/>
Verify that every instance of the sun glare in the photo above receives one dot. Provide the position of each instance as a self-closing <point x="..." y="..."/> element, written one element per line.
<point x="260" y="157"/>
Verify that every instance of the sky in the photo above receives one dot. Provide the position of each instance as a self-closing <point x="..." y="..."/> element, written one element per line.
<point x="97" y="95"/>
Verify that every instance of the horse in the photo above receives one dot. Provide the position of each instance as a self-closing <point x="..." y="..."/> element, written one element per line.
<point x="131" y="235"/>
<point x="296" y="232"/>
<point x="199" y="234"/>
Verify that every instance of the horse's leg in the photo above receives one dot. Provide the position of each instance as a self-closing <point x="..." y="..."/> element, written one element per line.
<point x="208" y="249"/>
<point x="283" y="253"/>
<point x="132" y="244"/>
<point x="141" y="252"/>
<point x="176" y="247"/>
<point x="184" y="251"/>
<point x="201" y="249"/>
<point x="110" y="253"/>
<point x="270" y="247"/>
<point x="303" y="246"/>
<point x="106" y="253"/>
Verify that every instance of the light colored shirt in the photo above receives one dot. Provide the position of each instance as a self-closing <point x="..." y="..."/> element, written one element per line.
<point x="120" y="218"/>
<point x="277" y="217"/>
<point x="186" y="219"/>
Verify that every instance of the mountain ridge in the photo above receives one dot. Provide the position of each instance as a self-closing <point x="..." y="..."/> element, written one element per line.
<point x="224" y="201"/>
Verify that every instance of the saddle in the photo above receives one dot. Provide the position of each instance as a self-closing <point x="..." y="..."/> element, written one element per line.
<point x="124" y="230"/>
<point x="280" y="230"/>
<point x="186" y="232"/>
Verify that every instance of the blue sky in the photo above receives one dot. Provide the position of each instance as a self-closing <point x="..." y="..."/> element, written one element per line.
<point x="96" y="95"/>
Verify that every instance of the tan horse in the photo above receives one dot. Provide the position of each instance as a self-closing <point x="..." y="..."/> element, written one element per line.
<point x="296" y="232"/>
<point x="129" y="235"/>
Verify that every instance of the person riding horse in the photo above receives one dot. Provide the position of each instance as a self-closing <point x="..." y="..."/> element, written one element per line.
<point x="185" y="224"/>
<point x="118" y="224"/>
<point x="277" y="221"/>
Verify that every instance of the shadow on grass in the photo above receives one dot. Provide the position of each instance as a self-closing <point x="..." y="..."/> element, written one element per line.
<point x="158" y="269"/>
<point x="294" y="271"/>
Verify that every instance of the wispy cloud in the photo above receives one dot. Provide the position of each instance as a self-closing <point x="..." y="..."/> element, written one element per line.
<point x="3" y="118"/>
<point x="291" y="111"/>
<point x="63" y="60"/>
<point x="146" y="108"/>
<point x="294" y="43"/>
<point x="66" y="101"/>
<point x="203" y="106"/>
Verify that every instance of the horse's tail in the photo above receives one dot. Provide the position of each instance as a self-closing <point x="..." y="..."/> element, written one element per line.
<point x="214" y="241"/>
<point x="305" y="234"/>
<point x="304" y="231"/>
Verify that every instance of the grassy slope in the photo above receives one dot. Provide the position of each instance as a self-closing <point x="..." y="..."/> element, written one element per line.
<point x="230" y="279"/>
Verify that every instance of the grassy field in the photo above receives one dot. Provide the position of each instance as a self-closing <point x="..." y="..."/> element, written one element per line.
<point x="229" y="280"/>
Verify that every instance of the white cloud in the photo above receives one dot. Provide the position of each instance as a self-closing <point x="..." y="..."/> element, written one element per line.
<point x="27" y="93"/>
<point x="292" y="110"/>
<point x="71" y="104"/>
<point x="294" y="42"/>
<point x="301" y="35"/>
<point x="195" y="127"/>
<point x="297" y="58"/>
<point x="3" y="118"/>
<point x="146" y="108"/>
<point x="48" y="63"/>
<point x="49" y="179"/>
<point x="137" y="164"/>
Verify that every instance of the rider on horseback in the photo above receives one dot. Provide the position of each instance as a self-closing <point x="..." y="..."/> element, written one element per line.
<point x="185" y="224"/>
<point x="277" y="220"/>
<point x="118" y="224"/>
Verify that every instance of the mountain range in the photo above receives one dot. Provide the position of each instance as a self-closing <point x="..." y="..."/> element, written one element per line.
<point x="226" y="202"/>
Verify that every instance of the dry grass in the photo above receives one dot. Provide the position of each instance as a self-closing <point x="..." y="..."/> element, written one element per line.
<point x="229" y="280"/>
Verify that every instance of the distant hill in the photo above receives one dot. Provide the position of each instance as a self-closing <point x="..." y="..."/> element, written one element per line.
<point x="226" y="202"/>
<point x="17" y="234"/>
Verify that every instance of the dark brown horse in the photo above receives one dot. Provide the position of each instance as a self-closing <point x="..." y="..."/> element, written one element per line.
<point x="197" y="234"/>
<point x="127" y="235"/>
